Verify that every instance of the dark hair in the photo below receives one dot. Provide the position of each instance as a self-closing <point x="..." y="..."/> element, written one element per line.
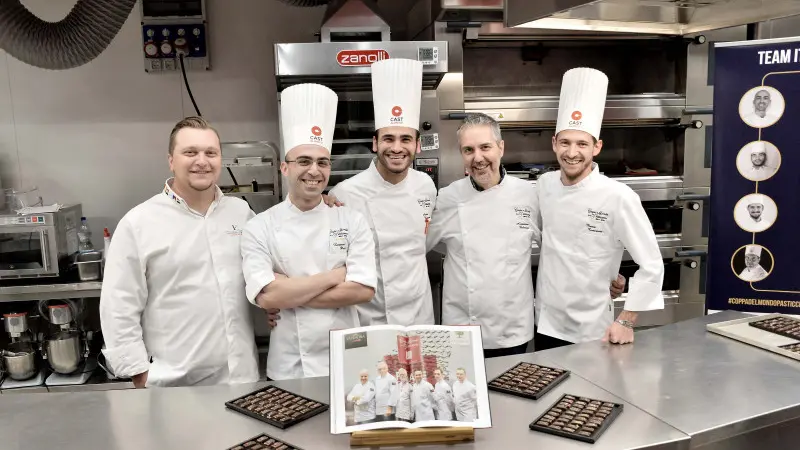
<point x="377" y="134"/>
<point x="195" y="122"/>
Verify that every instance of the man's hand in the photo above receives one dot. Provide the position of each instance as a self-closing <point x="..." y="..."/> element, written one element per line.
<point x="331" y="200"/>
<point x="617" y="286"/>
<point x="273" y="317"/>
<point x="140" y="380"/>
<point x="617" y="333"/>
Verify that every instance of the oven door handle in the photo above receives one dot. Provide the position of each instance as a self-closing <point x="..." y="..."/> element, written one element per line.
<point x="45" y="250"/>
<point x="697" y="197"/>
<point x="456" y="116"/>
<point x="690" y="253"/>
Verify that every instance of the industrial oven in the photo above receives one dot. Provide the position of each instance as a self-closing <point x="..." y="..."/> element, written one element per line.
<point x="656" y="130"/>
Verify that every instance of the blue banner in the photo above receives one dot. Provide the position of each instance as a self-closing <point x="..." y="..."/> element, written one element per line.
<point x="754" y="241"/>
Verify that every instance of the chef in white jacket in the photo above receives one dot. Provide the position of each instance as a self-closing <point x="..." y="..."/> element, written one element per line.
<point x="752" y="261"/>
<point x="487" y="223"/>
<point x="385" y="384"/>
<point x="443" y="394"/>
<point x="422" y="399"/>
<point x="465" y="397"/>
<point x="172" y="307"/>
<point x="588" y="221"/>
<point x="363" y="397"/>
<point x="401" y="397"/>
<point x="313" y="262"/>
<point x="760" y="165"/>
<point x="396" y="199"/>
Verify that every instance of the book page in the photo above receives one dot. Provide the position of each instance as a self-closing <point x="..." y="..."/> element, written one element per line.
<point x="431" y="376"/>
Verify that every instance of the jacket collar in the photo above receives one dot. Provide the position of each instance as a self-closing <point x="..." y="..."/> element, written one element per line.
<point x="295" y="210"/>
<point x="478" y="186"/>
<point x="373" y="169"/>
<point x="181" y="203"/>
<point x="584" y="182"/>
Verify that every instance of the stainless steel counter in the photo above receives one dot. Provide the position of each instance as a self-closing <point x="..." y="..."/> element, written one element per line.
<point x="708" y="386"/>
<point x="53" y="291"/>
<point x="196" y="418"/>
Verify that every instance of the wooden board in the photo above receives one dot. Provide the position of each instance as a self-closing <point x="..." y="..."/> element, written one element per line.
<point x="412" y="436"/>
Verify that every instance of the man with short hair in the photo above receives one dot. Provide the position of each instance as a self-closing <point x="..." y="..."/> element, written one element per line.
<point x="422" y="399"/>
<point x="488" y="223"/>
<point x="401" y="397"/>
<point x="172" y="306"/>
<point x="589" y="220"/>
<point x="363" y="397"/>
<point x="396" y="199"/>
<point x="385" y="384"/>
<point x="313" y="262"/>
<point x="761" y="116"/>
<point x="443" y="394"/>
<point x="465" y="397"/>
<point x="760" y="167"/>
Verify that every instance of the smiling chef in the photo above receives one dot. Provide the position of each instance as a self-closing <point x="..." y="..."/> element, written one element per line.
<point x="396" y="199"/>
<point x="313" y="262"/>
<point x="588" y="221"/>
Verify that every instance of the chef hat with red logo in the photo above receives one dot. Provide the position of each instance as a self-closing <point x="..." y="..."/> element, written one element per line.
<point x="308" y="116"/>
<point x="583" y="101"/>
<point x="397" y="92"/>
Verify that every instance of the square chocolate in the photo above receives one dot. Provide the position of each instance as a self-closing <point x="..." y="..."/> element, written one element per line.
<point x="579" y="418"/>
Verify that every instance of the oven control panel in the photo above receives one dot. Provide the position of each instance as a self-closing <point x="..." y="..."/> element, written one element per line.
<point x="429" y="166"/>
<point x="171" y="30"/>
<point x="33" y="219"/>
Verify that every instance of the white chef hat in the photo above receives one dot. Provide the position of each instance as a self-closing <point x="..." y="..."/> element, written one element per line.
<point x="758" y="147"/>
<point x="756" y="199"/>
<point x="308" y="116"/>
<point x="583" y="101"/>
<point x="397" y="92"/>
<point x="753" y="250"/>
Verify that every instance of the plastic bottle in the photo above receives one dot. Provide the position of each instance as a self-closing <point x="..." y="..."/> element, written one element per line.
<point x="84" y="237"/>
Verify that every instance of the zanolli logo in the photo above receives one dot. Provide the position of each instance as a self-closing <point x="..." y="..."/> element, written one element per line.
<point x="397" y="115"/>
<point x="316" y="134"/>
<point x="576" y="117"/>
<point x="354" y="58"/>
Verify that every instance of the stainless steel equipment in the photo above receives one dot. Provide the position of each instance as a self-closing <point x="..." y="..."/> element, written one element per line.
<point x="353" y="36"/>
<point x="68" y="347"/>
<point x="19" y="359"/>
<point x="253" y="173"/>
<point x="38" y="245"/>
<point x="89" y="265"/>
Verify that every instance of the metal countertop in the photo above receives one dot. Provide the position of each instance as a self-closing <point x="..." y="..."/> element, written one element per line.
<point x="196" y="418"/>
<point x="51" y="291"/>
<point x="705" y="385"/>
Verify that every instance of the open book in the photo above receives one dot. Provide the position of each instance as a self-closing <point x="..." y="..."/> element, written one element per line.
<point x="389" y="376"/>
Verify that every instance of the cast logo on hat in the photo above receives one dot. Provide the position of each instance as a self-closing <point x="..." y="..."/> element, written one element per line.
<point x="576" y="118"/>
<point x="316" y="135"/>
<point x="397" y="113"/>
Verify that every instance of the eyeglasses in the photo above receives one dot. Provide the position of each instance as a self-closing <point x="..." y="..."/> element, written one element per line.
<point x="322" y="163"/>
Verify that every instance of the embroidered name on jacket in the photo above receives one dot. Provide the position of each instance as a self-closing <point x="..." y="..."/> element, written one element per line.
<point x="425" y="203"/>
<point x="595" y="218"/>
<point x="234" y="230"/>
<point x="337" y="240"/>
<point x="523" y="217"/>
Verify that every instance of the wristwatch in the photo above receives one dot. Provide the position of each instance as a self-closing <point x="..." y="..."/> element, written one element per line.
<point x="625" y="323"/>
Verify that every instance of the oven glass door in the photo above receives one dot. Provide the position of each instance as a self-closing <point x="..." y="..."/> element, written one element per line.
<point x="23" y="253"/>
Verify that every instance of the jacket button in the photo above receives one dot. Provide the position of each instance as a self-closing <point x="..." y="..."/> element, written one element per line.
<point x="473" y="318"/>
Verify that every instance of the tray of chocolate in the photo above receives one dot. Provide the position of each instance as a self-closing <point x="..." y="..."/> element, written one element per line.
<point x="580" y="418"/>
<point x="791" y="347"/>
<point x="264" y="442"/>
<point x="276" y="406"/>
<point x="784" y="326"/>
<point x="528" y="380"/>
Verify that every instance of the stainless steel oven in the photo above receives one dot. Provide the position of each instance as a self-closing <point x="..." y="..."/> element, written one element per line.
<point x="353" y="36"/>
<point x="38" y="245"/>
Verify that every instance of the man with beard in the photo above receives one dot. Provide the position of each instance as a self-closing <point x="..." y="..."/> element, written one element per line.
<point x="487" y="223"/>
<point x="761" y="116"/>
<point x="753" y="270"/>
<point x="760" y="168"/>
<point x="401" y="397"/>
<point x="589" y="221"/>
<point x="396" y="199"/>
<point x="172" y="307"/>
<point x="755" y="210"/>
<point x="313" y="262"/>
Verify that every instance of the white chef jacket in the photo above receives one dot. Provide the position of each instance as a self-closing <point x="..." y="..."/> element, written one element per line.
<point x="586" y="228"/>
<point x="487" y="268"/>
<point x="752" y="119"/>
<point x="443" y="395"/>
<point x="466" y="401"/>
<point x="364" y="408"/>
<point x="286" y="240"/>
<point x="401" y="401"/>
<point x="422" y="401"/>
<point x="384" y="388"/>
<point x="757" y="273"/>
<point x="758" y="173"/>
<point x="398" y="216"/>
<point x="173" y="290"/>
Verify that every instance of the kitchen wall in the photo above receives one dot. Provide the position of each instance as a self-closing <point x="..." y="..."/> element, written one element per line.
<point x="98" y="134"/>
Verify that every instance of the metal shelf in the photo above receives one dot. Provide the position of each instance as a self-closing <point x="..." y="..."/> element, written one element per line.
<point x="58" y="291"/>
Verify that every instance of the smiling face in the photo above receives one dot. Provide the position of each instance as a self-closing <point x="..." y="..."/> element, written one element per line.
<point x="383" y="369"/>
<point x="364" y="376"/>
<point x="761" y="101"/>
<point x="481" y="153"/>
<point x="437" y="374"/>
<point x="195" y="159"/>
<point x="402" y="375"/>
<point x="755" y="210"/>
<point x="575" y="151"/>
<point x="307" y="168"/>
<point x="461" y="375"/>
<point x="418" y="376"/>
<point x="758" y="158"/>
<point x="751" y="260"/>
<point x="396" y="148"/>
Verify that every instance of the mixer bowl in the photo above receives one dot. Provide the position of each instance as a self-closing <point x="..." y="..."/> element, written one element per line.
<point x="23" y="365"/>
<point x="64" y="352"/>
